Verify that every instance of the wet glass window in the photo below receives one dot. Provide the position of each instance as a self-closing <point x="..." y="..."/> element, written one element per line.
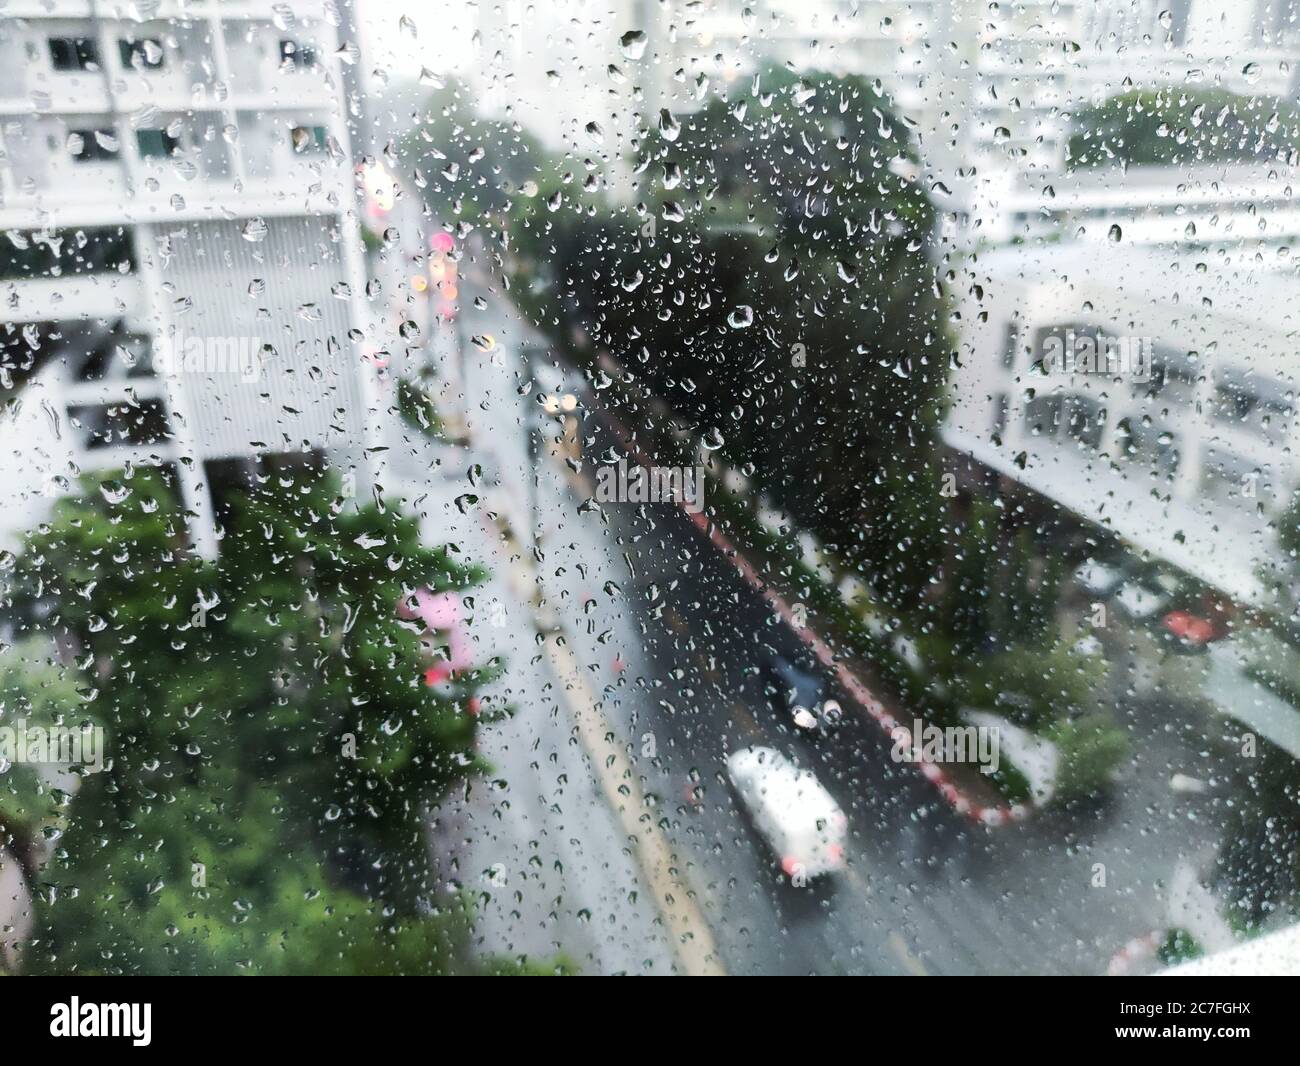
<point x="689" y="487"/>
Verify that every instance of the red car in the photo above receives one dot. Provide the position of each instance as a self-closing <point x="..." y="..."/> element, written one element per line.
<point x="1190" y="630"/>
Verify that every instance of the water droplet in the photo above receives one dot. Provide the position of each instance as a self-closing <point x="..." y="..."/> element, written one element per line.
<point x="114" y="491"/>
<point x="633" y="44"/>
<point x="741" y="317"/>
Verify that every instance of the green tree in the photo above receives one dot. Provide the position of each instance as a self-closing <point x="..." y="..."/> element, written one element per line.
<point x="273" y="752"/>
<point x="1260" y="861"/>
<point x="772" y="282"/>
<point x="36" y="691"/>
<point x="1180" y="126"/>
<point x="1033" y="688"/>
<point x="468" y="166"/>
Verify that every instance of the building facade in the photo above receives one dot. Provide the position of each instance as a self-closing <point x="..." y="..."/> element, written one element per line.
<point x="183" y="282"/>
<point x="1149" y="391"/>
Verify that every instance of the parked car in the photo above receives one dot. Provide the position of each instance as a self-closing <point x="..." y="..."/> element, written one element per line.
<point x="1191" y="631"/>
<point x="1098" y="579"/>
<point x="1140" y="600"/>
<point x="791" y="810"/>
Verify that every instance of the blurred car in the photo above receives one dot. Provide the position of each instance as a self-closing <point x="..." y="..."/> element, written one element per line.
<point x="1098" y="579"/>
<point x="1191" y="631"/>
<point x="791" y="810"/>
<point x="793" y="688"/>
<point x="1141" y="601"/>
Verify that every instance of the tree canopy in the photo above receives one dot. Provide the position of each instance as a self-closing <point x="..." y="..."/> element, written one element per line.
<point x="273" y="751"/>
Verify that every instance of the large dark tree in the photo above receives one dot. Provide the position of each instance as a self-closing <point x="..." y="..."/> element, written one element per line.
<point x="773" y="280"/>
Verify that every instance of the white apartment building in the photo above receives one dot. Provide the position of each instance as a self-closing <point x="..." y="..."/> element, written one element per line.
<point x="181" y="279"/>
<point x="1184" y="443"/>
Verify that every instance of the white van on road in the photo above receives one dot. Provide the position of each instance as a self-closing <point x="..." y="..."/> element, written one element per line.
<point x="792" y="811"/>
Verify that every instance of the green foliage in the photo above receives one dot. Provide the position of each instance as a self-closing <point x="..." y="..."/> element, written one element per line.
<point x="1049" y="691"/>
<point x="1178" y="946"/>
<point x="971" y="595"/>
<point x="472" y="164"/>
<point x="35" y="692"/>
<point x="1030" y="687"/>
<point x="1288" y="529"/>
<point x="417" y="408"/>
<point x="265" y="903"/>
<point x="1260" y="860"/>
<point x="266" y="720"/>
<point x="1088" y="748"/>
<point x="1179" y="126"/>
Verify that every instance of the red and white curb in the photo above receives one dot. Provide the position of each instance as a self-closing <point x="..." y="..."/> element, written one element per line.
<point x="1136" y="951"/>
<point x="1000" y="814"/>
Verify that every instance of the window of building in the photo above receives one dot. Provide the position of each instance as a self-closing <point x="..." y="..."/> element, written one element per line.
<point x="74" y="53"/>
<point x="307" y="139"/>
<point x="1010" y="344"/>
<point x="145" y="53"/>
<point x="157" y="144"/>
<point x="93" y="145"/>
<point x="57" y="252"/>
<point x="297" y="56"/>
<point x="1001" y="409"/>
<point x="1251" y="402"/>
<point x="1085" y="420"/>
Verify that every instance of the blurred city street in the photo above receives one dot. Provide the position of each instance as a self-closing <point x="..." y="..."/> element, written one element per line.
<point x="669" y="639"/>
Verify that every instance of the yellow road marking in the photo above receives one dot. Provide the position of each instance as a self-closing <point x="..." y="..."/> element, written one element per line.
<point x="914" y="965"/>
<point x="692" y="938"/>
